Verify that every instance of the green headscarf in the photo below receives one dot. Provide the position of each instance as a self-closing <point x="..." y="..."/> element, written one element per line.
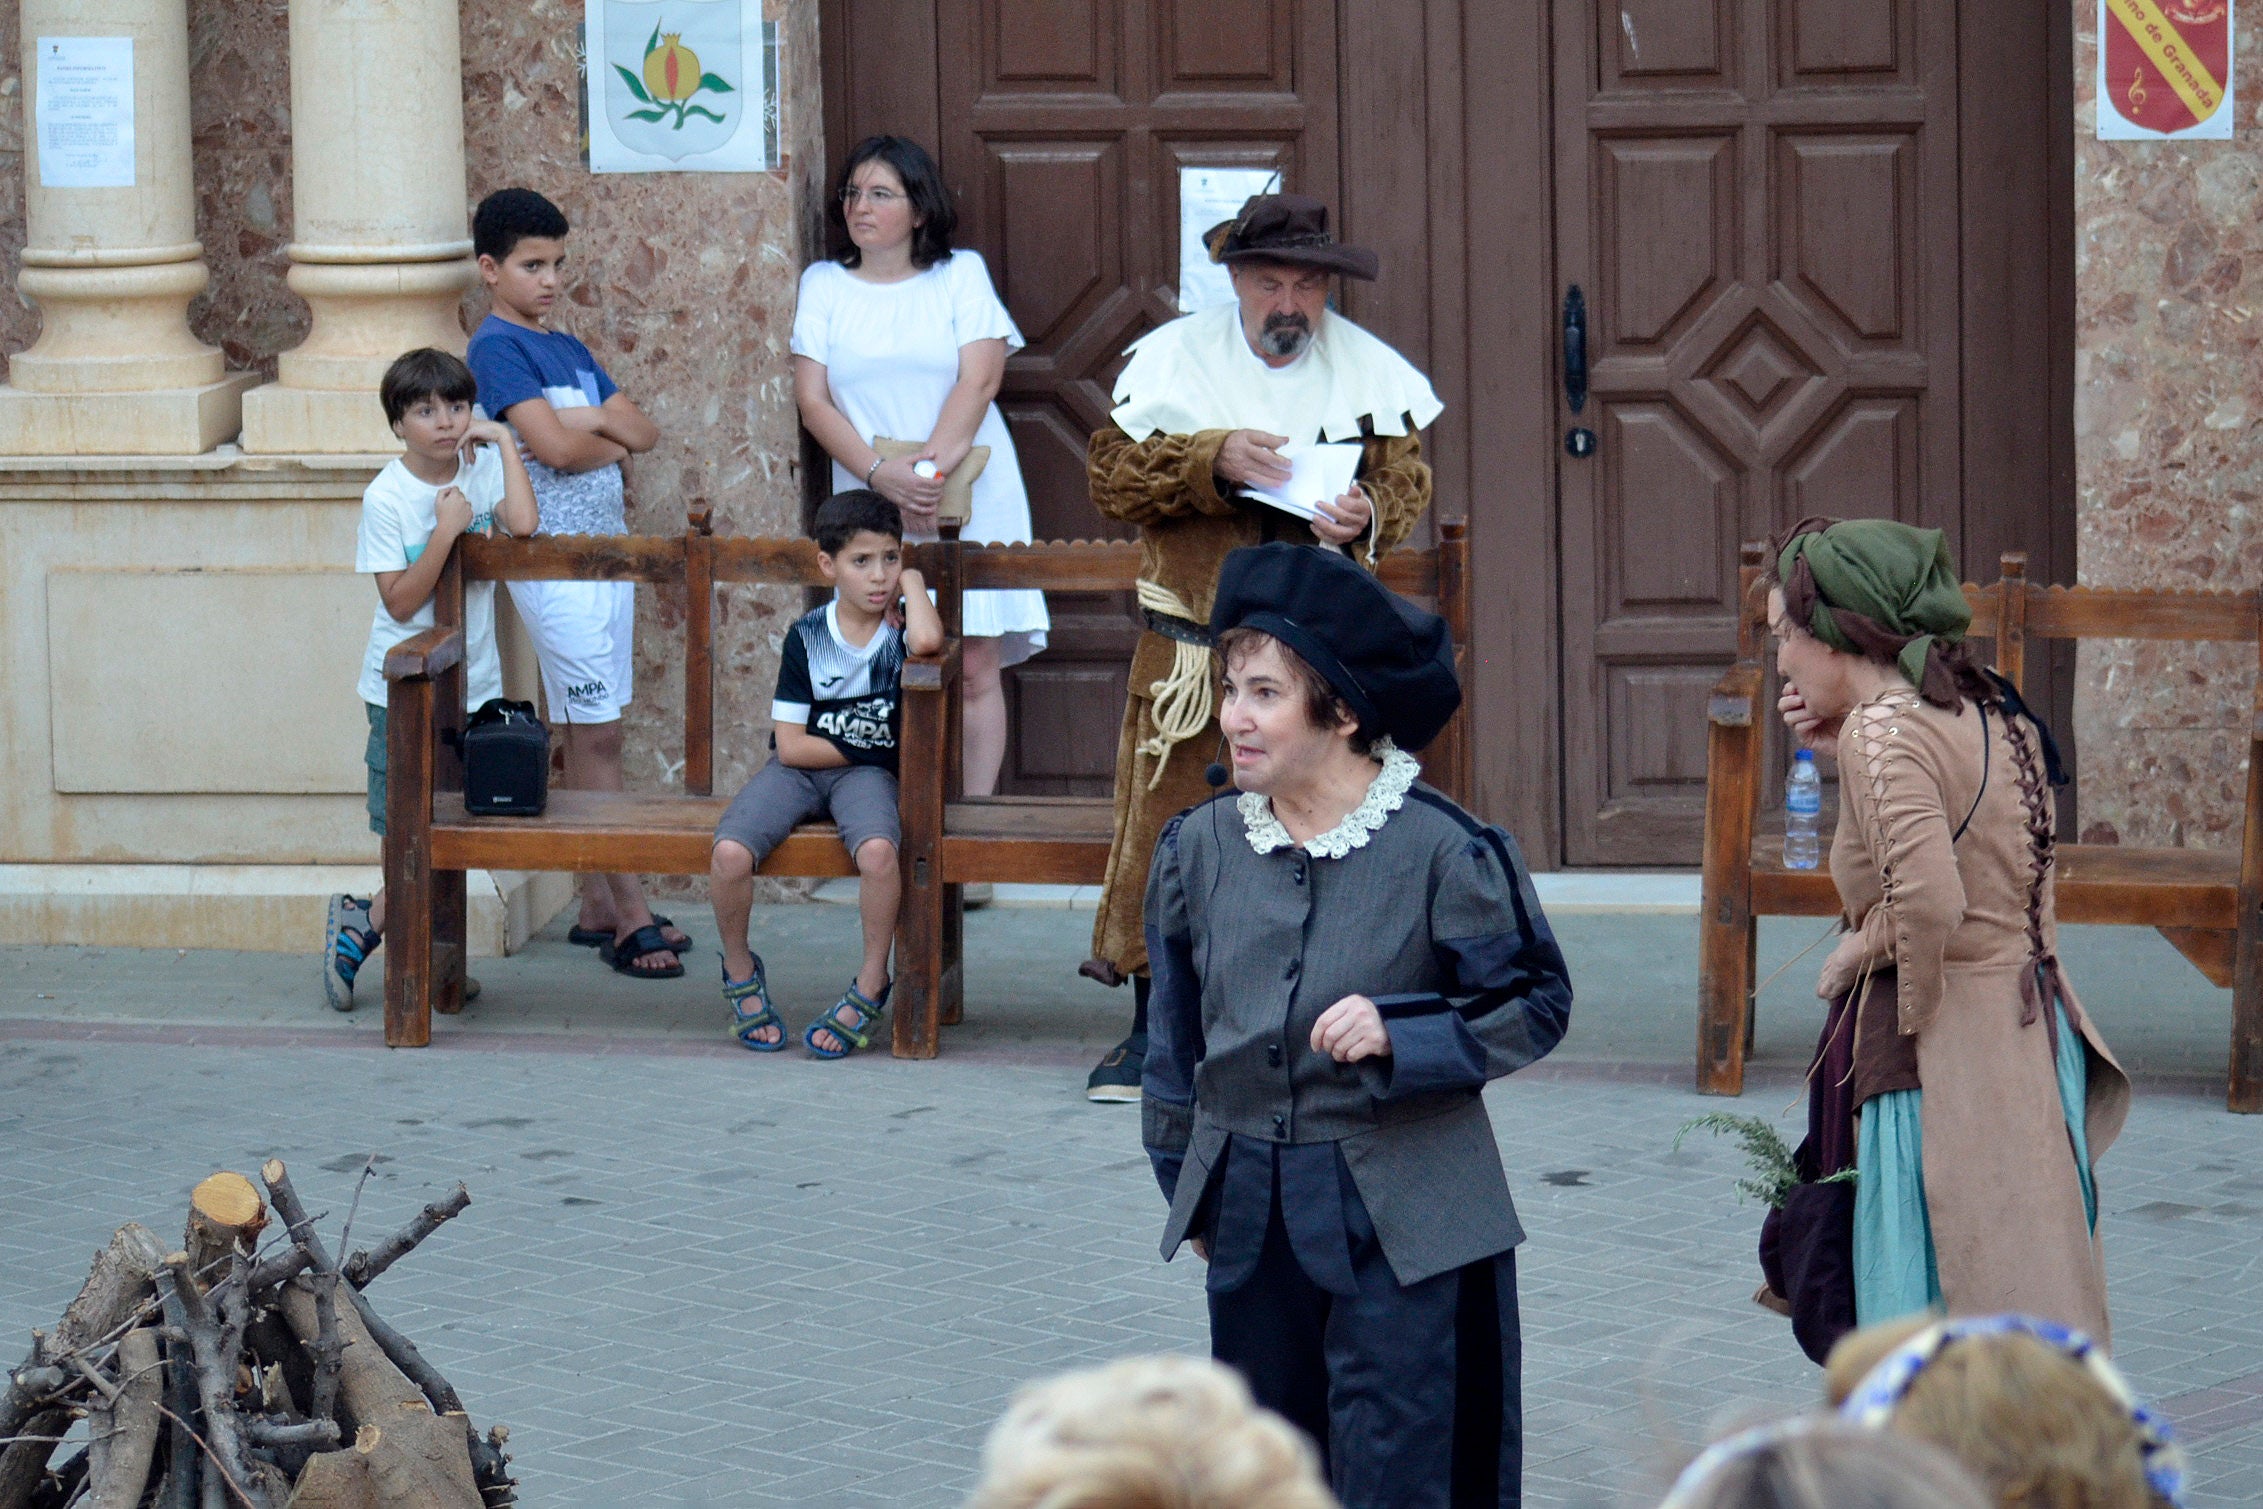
<point x="1898" y="577"/>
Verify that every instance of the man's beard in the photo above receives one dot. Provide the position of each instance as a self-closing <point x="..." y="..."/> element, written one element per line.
<point x="1285" y="334"/>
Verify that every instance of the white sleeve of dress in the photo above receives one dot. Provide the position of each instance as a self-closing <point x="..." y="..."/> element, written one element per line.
<point x="976" y="313"/>
<point x="812" y="308"/>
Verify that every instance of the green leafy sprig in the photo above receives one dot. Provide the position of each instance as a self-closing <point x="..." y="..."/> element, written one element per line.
<point x="1774" y="1171"/>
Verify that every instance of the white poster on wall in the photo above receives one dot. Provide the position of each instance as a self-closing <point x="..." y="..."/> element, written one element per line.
<point x="85" y="112"/>
<point x="681" y="86"/>
<point x="2164" y="69"/>
<point x="1207" y="196"/>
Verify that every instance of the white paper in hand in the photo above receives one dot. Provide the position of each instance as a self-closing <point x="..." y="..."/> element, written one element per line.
<point x="1318" y="473"/>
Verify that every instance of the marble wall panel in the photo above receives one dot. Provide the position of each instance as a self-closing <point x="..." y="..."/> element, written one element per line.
<point x="2168" y="391"/>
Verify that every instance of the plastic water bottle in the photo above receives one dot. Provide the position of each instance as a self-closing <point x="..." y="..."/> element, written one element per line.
<point x="1803" y="813"/>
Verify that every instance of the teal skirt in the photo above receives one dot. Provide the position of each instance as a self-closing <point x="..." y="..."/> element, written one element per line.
<point x="1894" y="1269"/>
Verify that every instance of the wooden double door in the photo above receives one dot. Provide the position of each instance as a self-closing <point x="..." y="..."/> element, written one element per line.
<point x="1824" y="253"/>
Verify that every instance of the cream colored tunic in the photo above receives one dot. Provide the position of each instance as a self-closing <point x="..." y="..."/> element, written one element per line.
<point x="1960" y="926"/>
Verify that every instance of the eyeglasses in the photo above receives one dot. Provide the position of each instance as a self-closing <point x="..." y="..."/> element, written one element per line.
<point x="879" y="199"/>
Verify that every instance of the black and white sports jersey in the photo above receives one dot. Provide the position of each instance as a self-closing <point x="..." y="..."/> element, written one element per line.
<point x="838" y="691"/>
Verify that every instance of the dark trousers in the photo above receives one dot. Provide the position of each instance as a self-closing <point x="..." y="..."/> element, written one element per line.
<point x="1414" y="1394"/>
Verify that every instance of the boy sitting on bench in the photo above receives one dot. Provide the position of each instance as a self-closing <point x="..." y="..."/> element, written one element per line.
<point x="835" y="719"/>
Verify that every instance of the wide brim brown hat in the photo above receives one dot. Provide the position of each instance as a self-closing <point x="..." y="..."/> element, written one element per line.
<point x="1288" y="228"/>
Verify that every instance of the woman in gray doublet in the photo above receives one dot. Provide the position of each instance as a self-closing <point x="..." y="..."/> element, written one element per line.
<point x="1343" y="958"/>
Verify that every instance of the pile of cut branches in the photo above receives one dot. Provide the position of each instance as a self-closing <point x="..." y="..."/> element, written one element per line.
<point x="232" y="1374"/>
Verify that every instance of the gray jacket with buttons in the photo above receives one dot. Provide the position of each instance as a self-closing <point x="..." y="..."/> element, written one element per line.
<point x="1434" y="919"/>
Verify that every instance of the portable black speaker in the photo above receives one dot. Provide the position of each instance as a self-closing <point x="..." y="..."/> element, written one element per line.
<point x="506" y="760"/>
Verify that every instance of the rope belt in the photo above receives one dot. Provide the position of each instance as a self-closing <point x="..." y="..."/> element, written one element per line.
<point x="1182" y="697"/>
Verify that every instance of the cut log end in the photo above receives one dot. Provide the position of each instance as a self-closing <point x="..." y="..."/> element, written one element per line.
<point x="226" y="1216"/>
<point x="229" y="1199"/>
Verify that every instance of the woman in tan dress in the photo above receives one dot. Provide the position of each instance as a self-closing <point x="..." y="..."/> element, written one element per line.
<point x="1981" y="1092"/>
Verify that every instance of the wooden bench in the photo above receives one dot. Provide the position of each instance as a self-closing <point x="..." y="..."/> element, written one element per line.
<point x="947" y="841"/>
<point x="2203" y="901"/>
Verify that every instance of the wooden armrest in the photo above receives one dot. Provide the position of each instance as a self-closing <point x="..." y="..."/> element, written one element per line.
<point x="427" y="655"/>
<point x="932" y="673"/>
<point x="1735" y="699"/>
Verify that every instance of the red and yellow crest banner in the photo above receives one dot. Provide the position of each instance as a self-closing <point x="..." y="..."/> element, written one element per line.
<point x="2165" y="66"/>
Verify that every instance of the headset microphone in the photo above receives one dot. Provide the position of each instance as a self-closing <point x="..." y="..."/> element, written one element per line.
<point x="1215" y="774"/>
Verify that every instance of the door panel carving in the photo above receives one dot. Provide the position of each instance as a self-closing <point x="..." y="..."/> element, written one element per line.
<point x="1047" y="43"/>
<point x="1226" y="44"/>
<point x="1060" y="205"/>
<point x="1669" y="212"/>
<point x="1761" y="196"/>
<point x="1670" y="485"/>
<point x="1833" y="38"/>
<point x="1681" y="44"/>
<point x="1862" y="463"/>
<point x="1846" y="228"/>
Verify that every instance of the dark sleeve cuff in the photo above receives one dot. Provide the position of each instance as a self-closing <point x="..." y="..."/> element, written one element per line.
<point x="1167" y="1167"/>
<point x="1165" y="1124"/>
<point x="1430" y="1052"/>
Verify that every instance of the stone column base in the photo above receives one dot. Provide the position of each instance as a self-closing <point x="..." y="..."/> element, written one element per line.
<point x="162" y="422"/>
<point x="286" y="421"/>
<point x="258" y="908"/>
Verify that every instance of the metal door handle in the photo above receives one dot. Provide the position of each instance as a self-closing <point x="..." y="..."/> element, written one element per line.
<point x="1575" y="349"/>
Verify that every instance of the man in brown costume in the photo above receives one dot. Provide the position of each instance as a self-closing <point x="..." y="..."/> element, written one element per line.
<point x="1205" y="409"/>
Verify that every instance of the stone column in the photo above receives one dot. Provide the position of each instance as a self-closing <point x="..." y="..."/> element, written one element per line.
<point x="115" y="369"/>
<point x="381" y="250"/>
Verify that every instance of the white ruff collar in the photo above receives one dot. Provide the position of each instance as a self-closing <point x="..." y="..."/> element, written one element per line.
<point x="1198" y="373"/>
<point x="1386" y="794"/>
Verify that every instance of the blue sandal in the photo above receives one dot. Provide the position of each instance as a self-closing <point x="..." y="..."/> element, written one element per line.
<point x="346" y="946"/>
<point x="745" y="1024"/>
<point x="867" y="1012"/>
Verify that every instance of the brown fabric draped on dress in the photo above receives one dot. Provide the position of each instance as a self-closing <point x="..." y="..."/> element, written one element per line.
<point x="1165" y="484"/>
<point x="1964" y="929"/>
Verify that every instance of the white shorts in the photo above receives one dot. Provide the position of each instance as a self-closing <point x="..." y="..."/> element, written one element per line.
<point x="584" y="633"/>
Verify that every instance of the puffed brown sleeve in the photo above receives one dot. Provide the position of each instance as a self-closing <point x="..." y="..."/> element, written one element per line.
<point x="1161" y="477"/>
<point x="1895" y="797"/>
<point x="1397" y="482"/>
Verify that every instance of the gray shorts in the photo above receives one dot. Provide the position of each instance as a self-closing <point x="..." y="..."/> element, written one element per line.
<point x="860" y="799"/>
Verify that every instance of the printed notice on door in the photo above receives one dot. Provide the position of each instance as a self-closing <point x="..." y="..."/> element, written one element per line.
<point x="85" y="112"/>
<point x="1207" y="196"/>
<point x="2164" y="69"/>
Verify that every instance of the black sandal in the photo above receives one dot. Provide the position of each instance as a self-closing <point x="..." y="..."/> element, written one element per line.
<point x="598" y="937"/>
<point x="648" y="939"/>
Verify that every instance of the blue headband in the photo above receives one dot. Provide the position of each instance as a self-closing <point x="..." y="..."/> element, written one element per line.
<point x="1882" y="1388"/>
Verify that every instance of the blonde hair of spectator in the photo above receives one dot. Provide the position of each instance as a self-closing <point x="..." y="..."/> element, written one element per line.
<point x="1816" y="1463"/>
<point x="2024" y="1418"/>
<point x="1147" y="1433"/>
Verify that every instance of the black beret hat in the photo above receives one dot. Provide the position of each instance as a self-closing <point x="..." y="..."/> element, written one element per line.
<point x="1392" y="662"/>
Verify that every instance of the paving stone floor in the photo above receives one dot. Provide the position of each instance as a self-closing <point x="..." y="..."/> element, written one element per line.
<point x="690" y="1276"/>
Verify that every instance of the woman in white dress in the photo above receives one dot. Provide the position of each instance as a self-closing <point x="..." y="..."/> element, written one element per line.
<point x="901" y="337"/>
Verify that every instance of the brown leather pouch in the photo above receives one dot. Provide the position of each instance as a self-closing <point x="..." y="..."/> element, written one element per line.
<point x="958" y="488"/>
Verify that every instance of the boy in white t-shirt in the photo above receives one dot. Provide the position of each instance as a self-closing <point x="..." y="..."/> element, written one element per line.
<point x="456" y="475"/>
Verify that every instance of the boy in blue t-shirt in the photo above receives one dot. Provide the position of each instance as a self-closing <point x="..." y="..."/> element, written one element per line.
<point x="834" y="726"/>
<point x="576" y="427"/>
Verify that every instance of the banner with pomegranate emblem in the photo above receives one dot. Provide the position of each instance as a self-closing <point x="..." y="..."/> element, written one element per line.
<point x="2164" y="69"/>
<point x="680" y="86"/>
